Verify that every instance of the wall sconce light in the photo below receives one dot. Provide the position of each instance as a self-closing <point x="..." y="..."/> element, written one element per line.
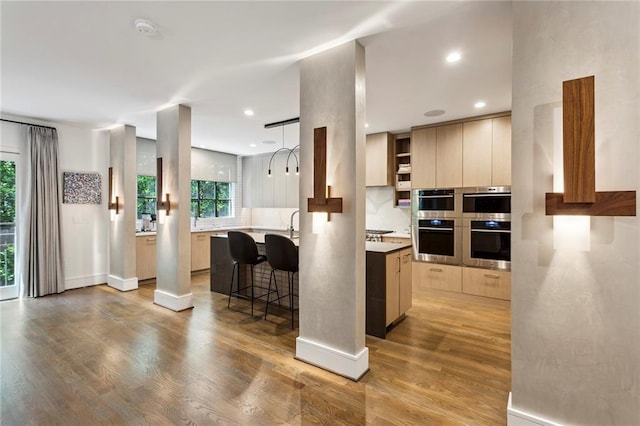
<point x="162" y="205"/>
<point x="290" y="150"/>
<point x="578" y="147"/>
<point x="321" y="201"/>
<point x="113" y="205"/>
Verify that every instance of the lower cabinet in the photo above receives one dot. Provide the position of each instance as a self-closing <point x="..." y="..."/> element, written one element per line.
<point x="200" y="250"/>
<point x="459" y="279"/>
<point x="146" y="257"/>
<point x="389" y="289"/>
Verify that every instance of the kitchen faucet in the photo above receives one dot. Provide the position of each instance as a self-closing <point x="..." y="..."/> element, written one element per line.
<point x="291" y="223"/>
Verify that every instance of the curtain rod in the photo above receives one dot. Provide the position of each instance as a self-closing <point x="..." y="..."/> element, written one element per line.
<point x="27" y="124"/>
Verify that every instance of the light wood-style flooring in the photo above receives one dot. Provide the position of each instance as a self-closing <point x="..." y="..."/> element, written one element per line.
<point x="97" y="356"/>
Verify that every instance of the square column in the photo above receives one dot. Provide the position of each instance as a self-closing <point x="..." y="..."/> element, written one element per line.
<point x="173" y="281"/>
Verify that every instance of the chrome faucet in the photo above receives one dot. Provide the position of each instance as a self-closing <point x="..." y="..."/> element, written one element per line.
<point x="291" y="223"/>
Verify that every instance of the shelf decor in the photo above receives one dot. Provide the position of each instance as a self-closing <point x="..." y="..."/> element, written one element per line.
<point x="81" y="188"/>
<point x="578" y="128"/>
<point x="321" y="201"/>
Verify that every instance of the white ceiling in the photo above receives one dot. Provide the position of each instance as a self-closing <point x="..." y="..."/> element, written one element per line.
<point x="84" y="62"/>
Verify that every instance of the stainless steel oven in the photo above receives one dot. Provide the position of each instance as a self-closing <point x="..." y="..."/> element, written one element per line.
<point x="436" y="203"/>
<point x="487" y="202"/>
<point x="437" y="240"/>
<point x="487" y="243"/>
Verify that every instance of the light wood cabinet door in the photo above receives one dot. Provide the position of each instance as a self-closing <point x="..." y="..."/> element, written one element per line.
<point x="405" y="281"/>
<point x="449" y="156"/>
<point x="393" y="287"/>
<point x="399" y="240"/>
<point x="485" y="282"/>
<point x="379" y="160"/>
<point x="423" y="158"/>
<point x="200" y="250"/>
<point x="477" y="152"/>
<point x="146" y="257"/>
<point x="435" y="276"/>
<point x="501" y="158"/>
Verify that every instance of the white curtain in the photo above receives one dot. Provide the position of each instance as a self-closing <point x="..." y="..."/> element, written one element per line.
<point x="42" y="272"/>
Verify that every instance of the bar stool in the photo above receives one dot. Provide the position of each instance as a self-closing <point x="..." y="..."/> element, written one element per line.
<point x="244" y="251"/>
<point x="282" y="255"/>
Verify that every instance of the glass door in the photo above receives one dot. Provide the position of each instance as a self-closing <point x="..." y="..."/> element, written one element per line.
<point x="8" y="192"/>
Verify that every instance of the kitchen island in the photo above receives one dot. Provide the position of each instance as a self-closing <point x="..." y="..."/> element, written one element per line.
<point x="388" y="272"/>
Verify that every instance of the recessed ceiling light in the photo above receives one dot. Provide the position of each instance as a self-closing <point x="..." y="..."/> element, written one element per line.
<point x="145" y="27"/>
<point x="248" y="112"/>
<point x="434" y="113"/>
<point x="454" y="57"/>
<point x="480" y="104"/>
<point x="268" y="142"/>
<point x="253" y="145"/>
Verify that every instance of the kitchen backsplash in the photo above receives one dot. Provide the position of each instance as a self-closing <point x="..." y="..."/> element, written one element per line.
<point x="381" y="214"/>
<point x="274" y="218"/>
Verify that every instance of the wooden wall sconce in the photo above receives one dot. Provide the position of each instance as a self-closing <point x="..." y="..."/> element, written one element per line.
<point x="578" y="128"/>
<point x="321" y="201"/>
<point x="111" y="203"/>
<point x="166" y="203"/>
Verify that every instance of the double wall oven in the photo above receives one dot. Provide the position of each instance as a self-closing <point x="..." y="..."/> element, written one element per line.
<point x="462" y="226"/>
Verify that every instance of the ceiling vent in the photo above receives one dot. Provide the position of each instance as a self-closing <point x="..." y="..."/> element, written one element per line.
<point x="145" y="27"/>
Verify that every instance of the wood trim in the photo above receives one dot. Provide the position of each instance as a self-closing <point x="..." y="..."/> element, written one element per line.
<point x="610" y="203"/>
<point x="579" y="140"/>
<point x="320" y="202"/>
<point x="463" y="120"/>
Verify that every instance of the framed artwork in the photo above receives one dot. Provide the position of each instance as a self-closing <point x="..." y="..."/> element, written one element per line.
<point x="81" y="188"/>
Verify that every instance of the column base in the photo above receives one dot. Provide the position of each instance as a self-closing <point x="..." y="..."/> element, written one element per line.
<point x="517" y="417"/>
<point x="173" y="302"/>
<point x="347" y="365"/>
<point x="122" y="284"/>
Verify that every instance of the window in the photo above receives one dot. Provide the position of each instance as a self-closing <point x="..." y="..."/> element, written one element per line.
<point x="210" y="199"/>
<point x="146" y="195"/>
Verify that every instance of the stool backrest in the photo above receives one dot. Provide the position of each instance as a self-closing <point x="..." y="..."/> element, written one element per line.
<point x="242" y="247"/>
<point x="282" y="253"/>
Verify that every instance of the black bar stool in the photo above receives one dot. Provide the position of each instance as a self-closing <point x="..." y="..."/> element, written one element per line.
<point x="282" y="255"/>
<point x="244" y="251"/>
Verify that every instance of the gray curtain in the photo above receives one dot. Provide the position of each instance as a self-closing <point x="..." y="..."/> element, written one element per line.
<point x="43" y="252"/>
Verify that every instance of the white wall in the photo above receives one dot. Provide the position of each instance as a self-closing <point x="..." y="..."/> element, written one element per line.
<point x="381" y="213"/>
<point x="575" y="313"/>
<point x="84" y="227"/>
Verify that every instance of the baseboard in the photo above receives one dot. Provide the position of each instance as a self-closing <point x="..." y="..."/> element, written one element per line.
<point x="122" y="284"/>
<point x="84" y="281"/>
<point x="334" y="360"/>
<point x="173" y="302"/>
<point x="516" y="417"/>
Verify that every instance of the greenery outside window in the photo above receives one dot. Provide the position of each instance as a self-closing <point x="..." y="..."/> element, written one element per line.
<point x="146" y="202"/>
<point x="210" y="199"/>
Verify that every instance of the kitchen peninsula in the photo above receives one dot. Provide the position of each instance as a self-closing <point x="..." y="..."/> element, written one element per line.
<point x="388" y="282"/>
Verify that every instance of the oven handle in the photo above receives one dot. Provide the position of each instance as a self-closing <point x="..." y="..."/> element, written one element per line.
<point x="436" y="196"/>
<point x="502" y="231"/>
<point x="435" y="229"/>
<point x="488" y="194"/>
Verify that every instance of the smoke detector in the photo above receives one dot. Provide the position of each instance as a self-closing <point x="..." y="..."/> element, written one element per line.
<point x="145" y="27"/>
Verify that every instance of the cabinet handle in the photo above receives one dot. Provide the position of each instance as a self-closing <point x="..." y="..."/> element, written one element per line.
<point x="435" y="269"/>
<point x="151" y="239"/>
<point x="201" y="236"/>
<point x="494" y="276"/>
<point x="406" y="258"/>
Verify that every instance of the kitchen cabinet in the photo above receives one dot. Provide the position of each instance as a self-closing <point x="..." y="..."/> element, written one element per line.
<point x="145" y="257"/>
<point x="487" y="282"/>
<point x="402" y="166"/>
<point x="501" y="154"/>
<point x="476" y="152"/>
<point x="449" y="156"/>
<point x="280" y="190"/>
<point x="487" y="152"/>
<point x="200" y="249"/>
<point x="423" y="152"/>
<point x="436" y="276"/>
<point x="400" y="240"/>
<point x="389" y="289"/>
<point x="379" y="160"/>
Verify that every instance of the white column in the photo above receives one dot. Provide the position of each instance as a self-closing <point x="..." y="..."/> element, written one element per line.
<point x="122" y="230"/>
<point x="332" y="260"/>
<point x="173" y="281"/>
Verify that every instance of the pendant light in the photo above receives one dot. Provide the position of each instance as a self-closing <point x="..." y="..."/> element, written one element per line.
<point x="289" y="150"/>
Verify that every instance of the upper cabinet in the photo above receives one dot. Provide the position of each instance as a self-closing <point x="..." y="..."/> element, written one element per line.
<point x="379" y="161"/>
<point x="475" y="152"/>
<point x="259" y="190"/>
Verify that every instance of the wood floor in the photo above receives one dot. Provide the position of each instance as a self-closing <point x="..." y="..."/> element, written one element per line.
<point x="97" y="356"/>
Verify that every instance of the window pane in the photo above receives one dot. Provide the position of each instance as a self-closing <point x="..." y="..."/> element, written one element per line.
<point x="207" y="189"/>
<point x="194" y="208"/>
<point x="207" y="208"/>
<point x="146" y="186"/>
<point x="194" y="189"/>
<point x="223" y="190"/>
<point x="146" y="206"/>
<point x="224" y="208"/>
